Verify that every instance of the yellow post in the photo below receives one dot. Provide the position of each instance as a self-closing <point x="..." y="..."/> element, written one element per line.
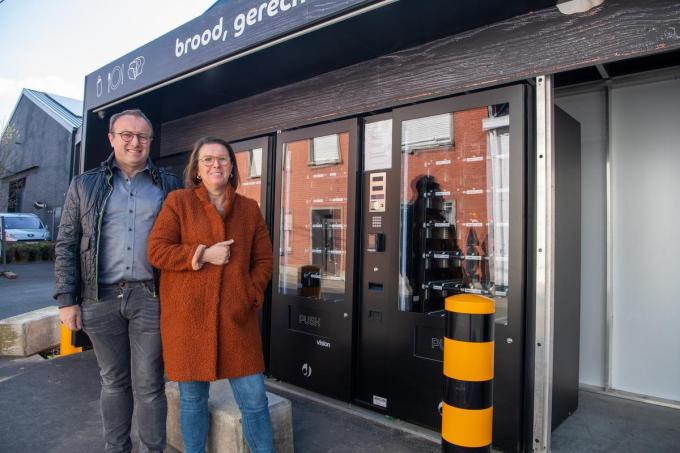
<point x="66" y="347"/>
<point x="467" y="410"/>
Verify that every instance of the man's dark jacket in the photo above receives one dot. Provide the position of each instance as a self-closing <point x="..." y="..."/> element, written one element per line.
<point x="77" y="247"/>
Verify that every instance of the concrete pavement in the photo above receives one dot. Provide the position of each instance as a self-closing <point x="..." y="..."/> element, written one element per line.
<point x="53" y="406"/>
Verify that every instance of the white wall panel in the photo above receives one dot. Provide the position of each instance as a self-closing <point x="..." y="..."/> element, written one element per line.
<point x="645" y="151"/>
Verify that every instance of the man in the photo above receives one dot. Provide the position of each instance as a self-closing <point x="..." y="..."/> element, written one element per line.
<point x="105" y="285"/>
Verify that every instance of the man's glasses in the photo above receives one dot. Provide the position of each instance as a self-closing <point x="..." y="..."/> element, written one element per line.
<point x="209" y="160"/>
<point x="128" y="136"/>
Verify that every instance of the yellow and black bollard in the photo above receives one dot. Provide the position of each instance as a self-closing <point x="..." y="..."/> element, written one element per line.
<point x="67" y="347"/>
<point x="467" y="410"/>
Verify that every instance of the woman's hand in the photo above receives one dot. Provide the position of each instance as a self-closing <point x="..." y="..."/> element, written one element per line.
<point x="218" y="254"/>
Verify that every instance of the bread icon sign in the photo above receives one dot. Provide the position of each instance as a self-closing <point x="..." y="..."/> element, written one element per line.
<point x="135" y="68"/>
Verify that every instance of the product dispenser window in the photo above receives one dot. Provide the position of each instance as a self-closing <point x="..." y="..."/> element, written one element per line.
<point x="249" y="163"/>
<point x="312" y="255"/>
<point x="454" y="226"/>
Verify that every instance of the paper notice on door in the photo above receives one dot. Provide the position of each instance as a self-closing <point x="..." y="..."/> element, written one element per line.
<point x="378" y="145"/>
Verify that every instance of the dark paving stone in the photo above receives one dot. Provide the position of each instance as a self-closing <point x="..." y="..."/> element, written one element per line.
<point x="318" y="428"/>
<point x="608" y="424"/>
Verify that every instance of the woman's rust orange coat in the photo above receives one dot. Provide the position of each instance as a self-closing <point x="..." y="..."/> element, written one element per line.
<point x="209" y="323"/>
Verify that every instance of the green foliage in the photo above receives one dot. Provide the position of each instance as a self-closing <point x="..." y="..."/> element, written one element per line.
<point x="50" y="353"/>
<point x="21" y="252"/>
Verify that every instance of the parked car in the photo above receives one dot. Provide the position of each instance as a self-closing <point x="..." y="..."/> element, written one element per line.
<point x="19" y="226"/>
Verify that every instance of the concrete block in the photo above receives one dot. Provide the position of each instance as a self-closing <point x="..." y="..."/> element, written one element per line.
<point x="226" y="433"/>
<point x="30" y="333"/>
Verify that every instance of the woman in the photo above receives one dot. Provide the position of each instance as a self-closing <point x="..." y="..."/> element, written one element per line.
<point x="213" y="249"/>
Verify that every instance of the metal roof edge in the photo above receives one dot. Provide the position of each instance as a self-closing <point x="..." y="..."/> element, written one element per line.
<point x="68" y="120"/>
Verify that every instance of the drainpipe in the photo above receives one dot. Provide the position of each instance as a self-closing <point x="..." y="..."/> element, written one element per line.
<point x="2" y="240"/>
<point x="71" y="170"/>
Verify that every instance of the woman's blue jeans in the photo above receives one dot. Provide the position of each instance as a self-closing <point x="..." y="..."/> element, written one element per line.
<point x="249" y="393"/>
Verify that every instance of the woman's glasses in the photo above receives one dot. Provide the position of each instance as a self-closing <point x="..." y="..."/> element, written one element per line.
<point x="209" y="160"/>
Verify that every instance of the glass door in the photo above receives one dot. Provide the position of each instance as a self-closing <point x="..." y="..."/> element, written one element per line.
<point x="454" y="217"/>
<point x="312" y="310"/>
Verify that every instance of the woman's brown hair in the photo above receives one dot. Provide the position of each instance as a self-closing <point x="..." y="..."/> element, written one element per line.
<point x="191" y="170"/>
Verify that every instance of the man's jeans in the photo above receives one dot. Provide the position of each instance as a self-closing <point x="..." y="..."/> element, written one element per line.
<point x="249" y="393"/>
<point x="124" y="327"/>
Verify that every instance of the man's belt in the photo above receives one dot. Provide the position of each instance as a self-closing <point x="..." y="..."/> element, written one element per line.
<point x="124" y="284"/>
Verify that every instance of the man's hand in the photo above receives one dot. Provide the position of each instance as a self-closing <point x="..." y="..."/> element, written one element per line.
<point x="70" y="316"/>
<point x="218" y="254"/>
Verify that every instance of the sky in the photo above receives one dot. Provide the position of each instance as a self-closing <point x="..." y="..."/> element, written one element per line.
<point x="51" y="45"/>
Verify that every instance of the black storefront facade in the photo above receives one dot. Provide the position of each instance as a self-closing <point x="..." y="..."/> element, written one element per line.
<point x="402" y="152"/>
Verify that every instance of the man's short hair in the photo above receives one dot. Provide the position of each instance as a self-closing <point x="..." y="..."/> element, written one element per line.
<point x="132" y="112"/>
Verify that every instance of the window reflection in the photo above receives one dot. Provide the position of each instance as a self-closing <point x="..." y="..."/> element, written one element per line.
<point x="312" y="254"/>
<point x="249" y="163"/>
<point x="454" y="208"/>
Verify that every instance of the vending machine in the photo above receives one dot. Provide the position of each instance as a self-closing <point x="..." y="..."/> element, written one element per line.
<point x="313" y="287"/>
<point x="385" y="216"/>
<point x="453" y="222"/>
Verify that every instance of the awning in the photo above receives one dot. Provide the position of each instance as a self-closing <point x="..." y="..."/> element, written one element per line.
<point x="239" y="48"/>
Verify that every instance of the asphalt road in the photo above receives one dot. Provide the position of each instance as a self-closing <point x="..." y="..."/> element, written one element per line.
<point x="32" y="289"/>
